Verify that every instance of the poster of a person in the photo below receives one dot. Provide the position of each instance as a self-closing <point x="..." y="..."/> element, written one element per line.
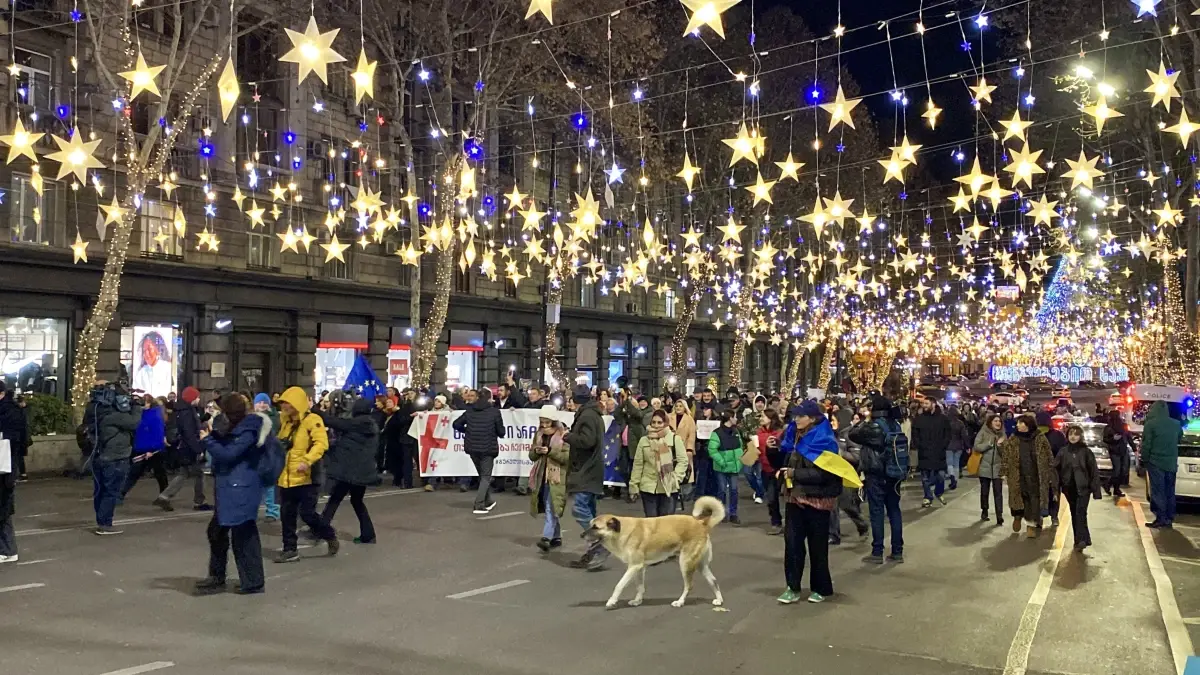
<point x="153" y="367"/>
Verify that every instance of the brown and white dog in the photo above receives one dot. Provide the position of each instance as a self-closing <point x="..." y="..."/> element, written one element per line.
<point x="639" y="542"/>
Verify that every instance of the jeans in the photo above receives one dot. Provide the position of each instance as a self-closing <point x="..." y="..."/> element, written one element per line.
<point x="155" y="465"/>
<point x="8" y="535"/>
<point x="272" y="504"/>
<point x="1078" y="503"/>
<point x="483" y="465"/>
<point x="1120" y="471"/>
<point x="727" y="492"/>
<point x="403" y="477"/>
<point x="883" y="494"/>
<point x="996" y="485"/>
<point x="934" y="478"/>
<point x="706" y="481"/>
<point x="108" y="477"/>
<point x="247" y="553"/>
<point x="366" y="530"/>
<point x="753" y="475"/>
<point x="195" y="473"/>
<point x="551" y="529"/>
<point x="1162" y="494"/>
<point x="771" y="495"/>
<point x="655" y="505"/>
<point x="583" y="509"/>
<point x="301" y="502"/>
<point x="849" y="502"/>
<point x="807" y="528"/>
<point x="953" y="463"/>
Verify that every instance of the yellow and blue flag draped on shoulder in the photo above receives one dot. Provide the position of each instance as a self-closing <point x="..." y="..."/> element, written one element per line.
<point x="820" y="447"/>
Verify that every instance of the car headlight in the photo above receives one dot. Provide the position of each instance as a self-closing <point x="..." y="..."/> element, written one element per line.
<point x="1101" y="453"/>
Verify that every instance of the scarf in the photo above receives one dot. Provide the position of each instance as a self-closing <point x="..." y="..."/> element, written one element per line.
<point x="662" y="451"/>
<point x="660" y="434"/>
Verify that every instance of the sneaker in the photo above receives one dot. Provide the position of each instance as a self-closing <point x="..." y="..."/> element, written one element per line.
<point x="544" y="545"/>
<point x="583" y="562"/>
<point x="758" y="500"/>
<point x="107" y="529"/>
<point x="202" y="507"/>
<point x="164" y="504"/>
<point x="360" y="540"/>
<point x="334" y="546"/>
<point x="1155" y="525"/>
<point x="249" y="591"/>
<point x="598" y="560"/>
<point x="9" y="558"/>
<point x="864" y="532"/>
<point x="524" y="492"/>
<point x="942" y="500"/>
<point x="788" y="597"/>
<point x="815" y="598"/>
<point x="556" y="542"/>
<point x="1032" y="532"/>
<point x="999" y="521"/>
<point x="1054" y="522"/>
<point x="775" y="530"/>
<point x="984" y="517"/>
<point x="209" y="586"/>
<point x="462" y="488"/>
<point x="479" y="511"/>
<point x="287" y="556"/>
<point x="897" y="558"/>
<point x="489" y="507"/>
<point x="835" y="542"/>
<point x="953" y="486"/>
<point x="271" y="519"/>
<point x="926" y="503"/>
<point x="428" y="487"/>
<point x="873" y="559"/>
<point x="734" y="520"/>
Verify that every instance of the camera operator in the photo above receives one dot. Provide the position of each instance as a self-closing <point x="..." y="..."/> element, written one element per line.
<point x="115" y="416"/>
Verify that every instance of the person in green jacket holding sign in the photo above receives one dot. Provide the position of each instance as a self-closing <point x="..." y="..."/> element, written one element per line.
<point x="725" y="449"/>
<point x="1160" y="453"/>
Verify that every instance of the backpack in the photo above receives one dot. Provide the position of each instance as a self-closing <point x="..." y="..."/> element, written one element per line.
<point x="895" y="451"/>
<point x="271" y="461"/>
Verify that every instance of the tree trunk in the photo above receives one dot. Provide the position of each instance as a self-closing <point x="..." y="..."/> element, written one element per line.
<point x="785" y="365"/>
<point x="1193" y="271"/>
<point x="444" y="280"/>
<point x="554" y="294"/>
<point x="414" y="292"/>
<point x="737" y="361"/>
<point x="691" y="302"/>
<point x="794" y="373"/>
<point x="830" y="351"/>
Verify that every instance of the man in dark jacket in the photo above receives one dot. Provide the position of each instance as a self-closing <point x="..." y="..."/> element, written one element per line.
<point x="931" y="439"/>
<point x="1116" y="440"/>
<point x="508" y="395"/>
<point x="482" y="427"/>
<point x="1160" y="453"/>
<point x="12" y="429"/>
<point x="883" y="493"/>
<point x="402" y="448"/>
<point x="585" y="473"/>
<point x="115" y="425"/>
<point x="187" y="453"/>
<point x="960" y="440"/>
<point x="350" y="464"/>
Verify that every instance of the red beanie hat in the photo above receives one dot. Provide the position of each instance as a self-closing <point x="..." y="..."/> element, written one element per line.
<point x="190" y="395"/>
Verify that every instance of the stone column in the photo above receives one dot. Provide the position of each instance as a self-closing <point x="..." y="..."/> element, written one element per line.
<point x="108" y="361"/>
<point x="300" y="360"/>
<point x="211" y="347"/>
<point x="489" y="369"/>
<point x="602" y="362"/>
<point x="379" y="339"/>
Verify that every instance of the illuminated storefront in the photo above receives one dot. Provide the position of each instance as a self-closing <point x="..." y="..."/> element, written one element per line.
<point x="152" y="358"/>
<point x="337" y="349"/>
<point x="33" y="354"/>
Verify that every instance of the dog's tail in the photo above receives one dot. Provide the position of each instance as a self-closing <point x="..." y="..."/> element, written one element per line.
<point x="709" y="511"/>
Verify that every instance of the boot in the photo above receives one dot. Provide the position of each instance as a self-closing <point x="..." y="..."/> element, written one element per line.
<point x="1016" y="524"/>
<point x="1031" y="532"/>
<point x="984" y="516"/>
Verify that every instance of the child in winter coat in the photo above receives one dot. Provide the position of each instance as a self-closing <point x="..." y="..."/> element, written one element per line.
<point x="1080" y="481"/>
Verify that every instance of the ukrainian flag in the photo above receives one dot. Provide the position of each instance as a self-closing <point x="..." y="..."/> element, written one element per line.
<point x="820" y="447"/>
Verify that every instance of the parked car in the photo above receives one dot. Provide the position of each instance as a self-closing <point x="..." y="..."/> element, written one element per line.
<point x="1001" y="386"/>
<point x="1005" y="398"/>
<point x="1116" y="400"/>
<point x="1061" y="392"/>
<point x="1060" y="402"/>
<point x="1023" y="393"/>
<point x="1187" y="482"/>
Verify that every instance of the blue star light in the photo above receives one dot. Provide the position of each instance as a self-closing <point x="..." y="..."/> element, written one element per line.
<point x="1145" y="7"/>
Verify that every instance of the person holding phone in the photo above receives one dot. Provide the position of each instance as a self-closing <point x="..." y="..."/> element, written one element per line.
<point x="305" y="441"/>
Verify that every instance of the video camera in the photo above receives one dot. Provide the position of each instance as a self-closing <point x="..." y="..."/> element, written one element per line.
<point x="111" y="397"/>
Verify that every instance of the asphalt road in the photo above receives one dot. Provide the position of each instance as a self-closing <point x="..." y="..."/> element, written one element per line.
<point x="445" y="592"/>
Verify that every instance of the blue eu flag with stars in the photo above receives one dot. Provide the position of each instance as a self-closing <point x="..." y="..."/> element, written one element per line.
<point x="362" y="379"/>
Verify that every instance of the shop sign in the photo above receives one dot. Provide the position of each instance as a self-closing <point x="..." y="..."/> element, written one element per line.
<point x="1059" y="373"/>
<point x="398" y="367"/>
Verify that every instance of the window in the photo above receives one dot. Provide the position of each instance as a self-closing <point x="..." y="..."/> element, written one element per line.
<point x="510" y="288"/>
<point x="463" y="281"/>
<point x="670" y="299"/>
<point x="335" y="269"/>
<point x="33" y="354"/>
<point x="587" y="292"/>
<point x="260" y="250"/>
<point x="31" y="216"/>
<point x="32" y="79"/>
<point x="258" y="56"/>
<point x="159" y="235"/>
<point x="587" y="352"/>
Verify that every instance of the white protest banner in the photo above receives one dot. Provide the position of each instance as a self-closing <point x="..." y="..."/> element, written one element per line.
<point x="705" y="428"/>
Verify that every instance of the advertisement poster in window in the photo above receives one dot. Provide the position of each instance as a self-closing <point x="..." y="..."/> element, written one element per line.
<point x="154" y="370"/>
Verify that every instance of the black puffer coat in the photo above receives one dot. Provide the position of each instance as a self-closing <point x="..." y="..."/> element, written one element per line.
<point x="931" y="439"/>
<point x="483" y="427"/>
<point x="586" y="440"/>
<point x="352" y="457"/>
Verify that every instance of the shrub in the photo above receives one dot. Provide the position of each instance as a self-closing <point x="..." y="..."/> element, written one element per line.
<point x="48" y="415"/>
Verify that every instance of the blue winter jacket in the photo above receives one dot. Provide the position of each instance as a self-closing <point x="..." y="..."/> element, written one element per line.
<point x="151" y="433"/>
<point x="235" y="455"/>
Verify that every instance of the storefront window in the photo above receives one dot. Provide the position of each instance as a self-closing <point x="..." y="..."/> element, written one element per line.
<point x="151" y="357"/>
<point x="333" y="367"/>
<point x="399" y="368"/>
<point x="32" y="354"/>
<point x="587" y="352"/>
<point x="616" y="368"/>
<point x="460" y="369"/>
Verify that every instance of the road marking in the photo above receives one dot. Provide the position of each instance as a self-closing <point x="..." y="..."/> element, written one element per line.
<point x="144" y="668"/>
<point x="488" y="589"/>
<point x="39" y="515"/>
<point x="502" y="515"/>
<point x="1186" y="561"/>
<point x="1022" y="642"/>
<point x="23" y="587"/>
<point x="1177" y="633"/>
<point x="1192" y="620"/>
<point x="35" y="562"/>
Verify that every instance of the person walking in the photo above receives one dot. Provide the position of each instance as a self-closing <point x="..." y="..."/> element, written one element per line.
<point x="149" y="441"/>
<point x="749" y="420"/>
<point x="350" y="465"/>
<point x="629" y="415"/>
<point x="960" y="439"/>
<point x="987" y="445"/>
<point x="585" y="473"/>
<point x="685" y="428"/>
<point x="1116" y="440"/>
<point x="187" y="453"/>
<point x="482" y="427"/>
<point x="236" y="454"/>
<point x="1026" y="458"/>
<point x="14" y="431"/>
<point x="660" y="466"/>
<point x="702" y="464"/>
<point x="402" y="448"/>
<point x="1057" y="441"/>
<point x="931" y="440"/>
<point x="303" y="437"/>
<point x="1160" y="454"/>
<point x="770" y="430"/>
<point x="263" y="406"/>
<point x="1079" y="480"/>
<point x="115" y="427"/>
<point x="548" y="478"/>
<point x="884" y="460"/>
<point x="849" y="501"/>
<point x="725" y="448"/>
<point x="812" y="494"/>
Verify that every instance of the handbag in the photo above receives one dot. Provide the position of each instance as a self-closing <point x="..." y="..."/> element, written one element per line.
<point x="750" y="454"/>
<point x="973" y="463"/>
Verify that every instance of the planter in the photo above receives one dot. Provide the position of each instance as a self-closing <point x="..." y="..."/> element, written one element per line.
<point x="52" y="455"/>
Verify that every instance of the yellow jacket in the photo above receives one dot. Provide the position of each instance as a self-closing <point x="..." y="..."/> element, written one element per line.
<point x="309" y="440"/>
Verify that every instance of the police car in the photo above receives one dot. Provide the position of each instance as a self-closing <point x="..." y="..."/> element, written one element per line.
<point x="1093" y="437"/>
<point x="1182" y="405"/>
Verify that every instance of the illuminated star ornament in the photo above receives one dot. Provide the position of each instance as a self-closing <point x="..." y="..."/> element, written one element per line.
<point x="364" y="77"/>
<point x="75" y="156"/>
<point x="1185" y="127"/>
<point x="113" y="213"/>
<point x="790" y="168"/>
<point x="334" y="249"/>
<point x="79" y="249"/>
<point x="839" y="110"/>
<point x="1024" y="165"/>
<point x="706" y="13"/>
<point x="744" y="147"/>
<point x="1145" y="7"/>
<point x="542" y="7"/>
<point x="228" y="90"/>
<point x="689" y="171"/>
<point x="1015" y="127"/>
<point x="1101" y="113"/>
<point x="762" y="191"/>
<point x="1083" y="171"/>
<point x="141" y="78"/>
<point x="1162" y="85"/>
<point x="312" y="51"/>
<point x="20" y="142"/>
<point x="982" y="92"/>
<point x="931" y="113"/>
<point x="616" y="174"/>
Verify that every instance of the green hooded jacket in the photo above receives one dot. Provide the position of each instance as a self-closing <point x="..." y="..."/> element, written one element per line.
<point x="1160" y="439"/>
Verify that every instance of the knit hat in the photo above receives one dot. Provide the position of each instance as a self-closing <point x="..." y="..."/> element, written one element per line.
<point x="190" y="395"/>
<point x="810" y="409"/>
<point x="440" y="397"/>
<point x="1043" y="419"/>
<point x="263" y="399"/>
<point x="581" y="394"/>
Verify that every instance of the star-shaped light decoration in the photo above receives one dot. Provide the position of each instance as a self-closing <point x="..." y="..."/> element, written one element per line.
<point x="1162" y="85"/>
<point x="1024" y="165"/>
<point x="113" y="213"/>
<point x="306" y="239"/>
<point x="1101" y="113"/>
<point x="515" y="199"/>
<point x="688" y="172"/>
<point x="1145" y="7"/>
<point x="1015" y="127"/>
<point x="906" y="151"/>
<point x="228" y="89"/>
<point x="977" y="228"/>
<point x="79" y="249"/>
<point x="1083" y="171"/>
<point x="1184" y="127"/>
<point x="364" y="77"/>
<point x="410" y="255"/>
<point x="691" y="238"/>
<point x="731" y="231"/>
<point x="542" y="7"/>
<point x="255" y="213"/>
<point x="1168" y="216"/>
<point x="278" y="192"/>
<point x="838" y="208"/>
<point x="790" y="168"/>
<point x="20" y="142"/>
<point x="586" y="215"/>
<point x="288" y="241"/>
<point x="839" y="110"/>
<point x="1043" y="211"/>
<point x="762" y="190"/>
<point x="615" y="174"/>
<point x="141" y="78"/>
<point x="818" y="217"/>
<point x="238" y="197"/>
<point x="744" y="146"/>
<point x="312" y="51"/>
<point x="893" y="168"/>
<point x="75" y="156"/>
<point x="931" y="113"/>
<point x="533" y="219"/>
<point x="976" y="179"/>
<point x="961" y="201"/>
<point x="707" y="13"/>
<point x="982" y="92"/>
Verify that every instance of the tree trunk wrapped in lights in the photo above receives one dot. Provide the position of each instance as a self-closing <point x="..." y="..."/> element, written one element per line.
<point x="691" y="302"/>
<point x="785" y="364"/>
<point x="829" y="352"/>
<point x="741" y="333"/>
<point x="554" y="293"/>
<point x="1183" y="345"/>
<point x="793" y="376"/>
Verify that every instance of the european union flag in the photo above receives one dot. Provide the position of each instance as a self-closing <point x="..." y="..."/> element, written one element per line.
<point x="362" y="379"/>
